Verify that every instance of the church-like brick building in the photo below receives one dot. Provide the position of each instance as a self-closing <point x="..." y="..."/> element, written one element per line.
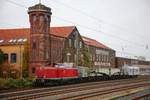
<point x="50" y="45"/>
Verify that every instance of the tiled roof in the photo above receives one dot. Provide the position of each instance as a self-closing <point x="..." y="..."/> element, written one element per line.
<point x="64" y="31"/>
<point x="92" y="42"/>
<point x="8" y="34"/>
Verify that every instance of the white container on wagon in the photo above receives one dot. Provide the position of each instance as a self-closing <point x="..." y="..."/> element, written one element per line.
<point x="131" y="70"/>
<point x="108" y="70"/>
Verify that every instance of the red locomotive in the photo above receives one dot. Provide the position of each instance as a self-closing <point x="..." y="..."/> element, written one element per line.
<point x="56" y="73"/>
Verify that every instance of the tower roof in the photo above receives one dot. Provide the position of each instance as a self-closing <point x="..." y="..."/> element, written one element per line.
<point x="39" y="7"/>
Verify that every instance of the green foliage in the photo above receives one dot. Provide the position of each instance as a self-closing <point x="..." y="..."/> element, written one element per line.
<point x="3" y="83"/>
<point x="85" y="59"/>
<point x="14" y="83"/>
<point x="25" y="65"/>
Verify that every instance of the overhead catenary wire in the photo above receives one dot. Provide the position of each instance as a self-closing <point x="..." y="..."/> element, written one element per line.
<point x="95" y="30"/>
<point x="122" y="52"/>
<point x="83" y="26"/>
<point x="115" y="44"/>
<point x="102" y="21"/>
<point x="99" y="20"/>
<point x="15" y="3"/>
<point x="88" y="28"/>
<point x="94" y="18"/>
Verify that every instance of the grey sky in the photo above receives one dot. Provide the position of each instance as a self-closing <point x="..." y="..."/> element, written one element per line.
<point x="121" y="24"/>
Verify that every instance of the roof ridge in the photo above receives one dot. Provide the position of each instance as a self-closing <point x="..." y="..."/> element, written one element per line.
<point x="88" y="38"/>
<point x="18" y="28"/>
<point x="13" y="28"/>
<point x="96" y="41"/>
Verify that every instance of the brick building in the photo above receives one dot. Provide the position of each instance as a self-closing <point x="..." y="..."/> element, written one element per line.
<point x="50" y="45"/>
<point x="63" y="44"/>
<point x="120" y="61"/>
<point x="101" y="55"/>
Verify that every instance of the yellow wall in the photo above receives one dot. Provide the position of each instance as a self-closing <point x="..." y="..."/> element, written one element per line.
<point x="18" y="49"/>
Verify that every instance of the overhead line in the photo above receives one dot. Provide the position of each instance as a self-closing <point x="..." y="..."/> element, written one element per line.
<point x="93" y="17"/>
<point x="85" y="26"/>
<point x="123" y="52"/>
<point x="18" y="4"/>
<point x="95" y="30"/>
<point x="58" y="17"/>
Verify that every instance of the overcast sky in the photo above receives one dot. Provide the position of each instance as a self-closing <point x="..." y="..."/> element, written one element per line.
<point x="122" y="25"/>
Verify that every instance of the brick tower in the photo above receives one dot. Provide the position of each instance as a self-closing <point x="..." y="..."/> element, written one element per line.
<point x="40" y="18"/>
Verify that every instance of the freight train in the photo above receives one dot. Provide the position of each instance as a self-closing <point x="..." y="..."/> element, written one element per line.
<point x="51" y="76"/>
<point x="64" y="74"/>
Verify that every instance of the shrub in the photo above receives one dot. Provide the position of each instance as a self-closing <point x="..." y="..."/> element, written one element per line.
<point x="3" y="83"/>
<point x="15" y="83"/>
<point x="12" y="83"/>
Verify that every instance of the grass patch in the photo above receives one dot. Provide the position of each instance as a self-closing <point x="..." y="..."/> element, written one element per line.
<point x="14" y="83"/>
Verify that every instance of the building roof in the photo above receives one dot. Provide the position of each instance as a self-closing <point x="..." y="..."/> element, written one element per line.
<point x="23" y="33"/>
<point x="92" y="42"/>
<point x="14" y="34"/>
<point x="64" y="31"/>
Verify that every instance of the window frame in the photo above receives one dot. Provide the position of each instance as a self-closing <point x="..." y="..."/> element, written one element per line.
<point x="13" y="58"/>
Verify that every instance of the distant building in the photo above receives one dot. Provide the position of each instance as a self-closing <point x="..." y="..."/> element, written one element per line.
<point x="141" y="58"/>
<point x="120" y="61"/>
<point x="101" y="55"/>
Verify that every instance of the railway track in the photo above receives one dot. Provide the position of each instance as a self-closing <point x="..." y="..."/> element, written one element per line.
<point x="105" y="91"/>
<point x="12" y="91"/>
<point x="37" y="93"/>
<point x="19" y="91"/>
